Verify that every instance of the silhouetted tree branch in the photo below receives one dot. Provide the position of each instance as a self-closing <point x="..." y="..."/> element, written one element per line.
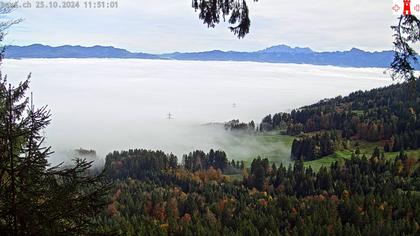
<point x="407" y="33"/>
<point x="235" y="11"/>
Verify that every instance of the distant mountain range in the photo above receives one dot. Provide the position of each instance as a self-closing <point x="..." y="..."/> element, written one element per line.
<point x="44" y="51"/>
<point x="276" y="54"/>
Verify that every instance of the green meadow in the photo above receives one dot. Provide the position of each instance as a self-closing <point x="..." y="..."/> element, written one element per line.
<point x="277" y="148"/>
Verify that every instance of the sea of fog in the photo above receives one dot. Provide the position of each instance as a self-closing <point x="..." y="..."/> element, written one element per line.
<point x="114" y="104"/>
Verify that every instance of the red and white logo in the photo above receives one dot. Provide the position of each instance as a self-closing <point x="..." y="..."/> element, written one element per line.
<point x="406" y="7"/>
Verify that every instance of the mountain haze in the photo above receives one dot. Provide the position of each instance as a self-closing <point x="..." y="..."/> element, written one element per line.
<point x="66" y="51"/>
<point x="275" y="54"/>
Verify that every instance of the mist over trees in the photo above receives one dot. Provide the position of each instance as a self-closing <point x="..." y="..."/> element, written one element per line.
<point x="36" y="198"/>
<point x="236" y="125"/>
<point x="153" y="194"/>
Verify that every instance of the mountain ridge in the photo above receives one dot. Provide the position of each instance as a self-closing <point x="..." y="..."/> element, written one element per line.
<point x="276" y="54"/>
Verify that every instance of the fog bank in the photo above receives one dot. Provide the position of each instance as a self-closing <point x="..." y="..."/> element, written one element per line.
<point x="113" y="104"/>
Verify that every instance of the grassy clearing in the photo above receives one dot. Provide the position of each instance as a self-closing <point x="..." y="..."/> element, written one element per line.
<point x="364" y="147"/>
<point x="277" y="148"/>
<point x="280" y="147"/>
<point x="271" y="145"/>
<point x="328" y="160"/>
<point x="246" y="147"/>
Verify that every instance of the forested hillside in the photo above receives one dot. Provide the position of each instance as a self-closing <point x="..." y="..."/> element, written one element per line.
<point x="369" y="196"/>
<point x="387" y="115"/>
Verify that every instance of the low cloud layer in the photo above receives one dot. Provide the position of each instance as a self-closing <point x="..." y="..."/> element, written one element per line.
<point x="108" y="105"/>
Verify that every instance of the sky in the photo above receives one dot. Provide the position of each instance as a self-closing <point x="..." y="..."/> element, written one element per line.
<point x="159" y="26"/>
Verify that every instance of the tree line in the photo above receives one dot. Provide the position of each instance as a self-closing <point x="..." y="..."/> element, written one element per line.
<point x="390" y="115"/>
<point x="363" y="195"/>
<point x="236" y="125"/>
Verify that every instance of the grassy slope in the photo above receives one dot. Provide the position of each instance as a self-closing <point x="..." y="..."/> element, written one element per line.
<point x="277" y="149"/>
<point x="365" y="148"/>
<point x="276" y="155"/>
<point x="271" y="145"/>
<point x="246" y="147"/>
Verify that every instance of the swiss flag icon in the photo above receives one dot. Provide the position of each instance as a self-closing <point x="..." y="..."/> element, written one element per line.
<point x="406" y="7"/>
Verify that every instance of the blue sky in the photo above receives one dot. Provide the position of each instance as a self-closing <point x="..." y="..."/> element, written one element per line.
<point x="157" y="26"/>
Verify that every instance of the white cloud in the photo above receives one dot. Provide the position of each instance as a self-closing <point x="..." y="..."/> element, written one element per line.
<point x="90" y="108"/>
<point x="172" y="25"/>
